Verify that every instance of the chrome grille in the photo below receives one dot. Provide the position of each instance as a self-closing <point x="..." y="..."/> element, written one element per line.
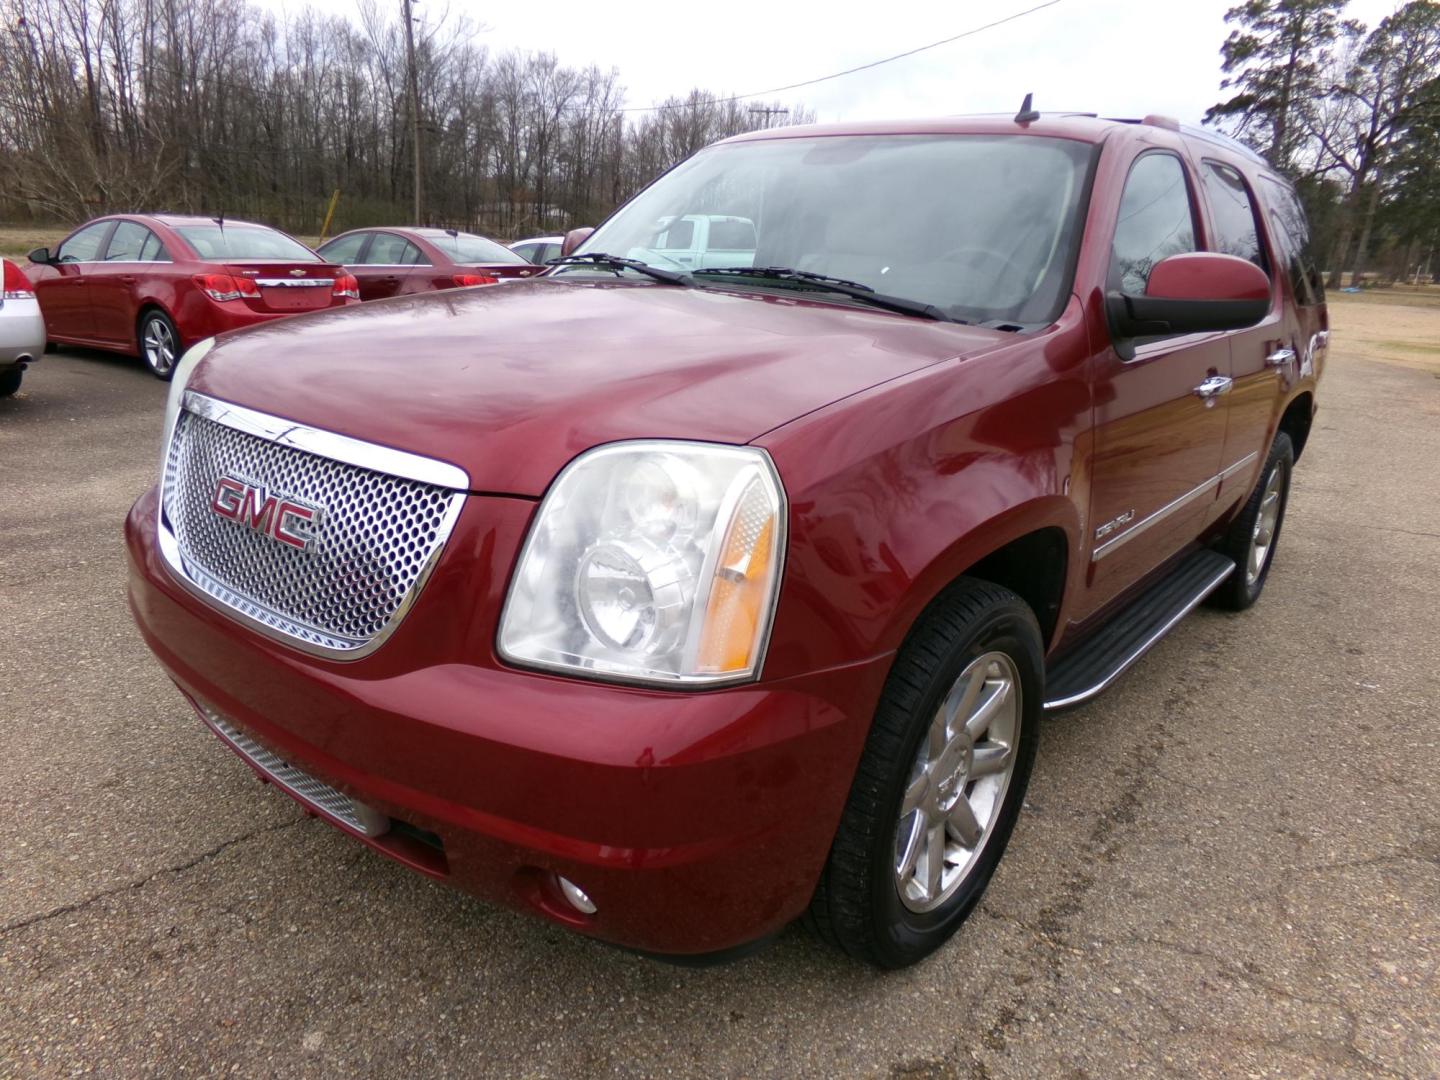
<point x="316" y="793"/>
<point x="376" y="537"/>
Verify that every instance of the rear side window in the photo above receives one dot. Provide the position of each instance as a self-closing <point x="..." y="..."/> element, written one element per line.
<point x="1156" y="220"/>
<point x="1236" y="228"/>
<point x="387" y="249"/>
<point x="345" y="249"/>
<point x="153" y="250"/>
<point x="131" y="242"/>
<point x="1292" y="238"/>
<point x="84" y="245"/>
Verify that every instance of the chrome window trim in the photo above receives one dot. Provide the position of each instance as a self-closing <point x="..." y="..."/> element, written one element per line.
<point x="325" y="444"/>
<point x="1171" y="507"/>
<point x="328" y="444"/>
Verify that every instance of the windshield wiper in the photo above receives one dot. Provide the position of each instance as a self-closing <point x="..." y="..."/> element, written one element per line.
<point x="854" y="289"/>
<point x="618" y="263"/>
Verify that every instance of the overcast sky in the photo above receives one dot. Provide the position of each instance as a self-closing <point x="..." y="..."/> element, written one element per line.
<point x="1114" y="57"/>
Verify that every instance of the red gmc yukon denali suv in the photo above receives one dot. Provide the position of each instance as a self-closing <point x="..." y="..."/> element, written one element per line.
<point x="684" y="592"/>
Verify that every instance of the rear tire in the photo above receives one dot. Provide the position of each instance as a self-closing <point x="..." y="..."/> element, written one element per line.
<point x="160" y="345"/>
<point x="10" y="381"/>
<point x="1252" y="537"/>
<point x="940" y="782"/>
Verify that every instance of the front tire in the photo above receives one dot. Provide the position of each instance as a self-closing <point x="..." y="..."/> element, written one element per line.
<point x="941" y="780"/>
<point x="159" y="344"/>
<point x="1252" y="537"/>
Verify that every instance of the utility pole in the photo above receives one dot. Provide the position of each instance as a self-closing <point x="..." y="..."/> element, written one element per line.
<point x="414" y="102"/>
<point x="768" y="113"/>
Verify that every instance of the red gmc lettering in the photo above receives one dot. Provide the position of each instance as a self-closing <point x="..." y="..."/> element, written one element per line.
<point x="282" y="531"/>
<point x="250" y="505"/>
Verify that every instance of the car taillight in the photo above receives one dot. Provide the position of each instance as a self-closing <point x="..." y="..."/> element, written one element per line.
<point x="17" y="286"/>
<point x="228" y="287"/>
<point x="346" y="285"/>
<point x="464" y="280"/>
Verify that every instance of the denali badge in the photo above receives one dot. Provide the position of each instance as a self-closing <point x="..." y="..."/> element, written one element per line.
<point x="1113" y="524"/>
<point x="275" y="516"/>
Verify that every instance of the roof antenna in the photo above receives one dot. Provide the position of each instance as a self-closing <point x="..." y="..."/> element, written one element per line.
<point x="1027" y="111"/>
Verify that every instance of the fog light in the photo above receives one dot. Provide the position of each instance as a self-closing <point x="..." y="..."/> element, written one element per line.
<point x="576" y="896"/>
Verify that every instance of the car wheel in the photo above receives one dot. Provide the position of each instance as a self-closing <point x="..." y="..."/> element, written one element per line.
<point x="1252" y="537"/>
<point x="10" y="381"/>
<point x="940" y="782"/>
<point x="159" y="344"/>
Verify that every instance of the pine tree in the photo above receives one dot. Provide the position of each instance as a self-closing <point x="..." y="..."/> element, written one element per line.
<point x="1271" y="62"/>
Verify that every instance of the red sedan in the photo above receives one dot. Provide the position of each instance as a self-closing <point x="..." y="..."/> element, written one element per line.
<point x="397" y="262"/>
<point x="151" y="285"/>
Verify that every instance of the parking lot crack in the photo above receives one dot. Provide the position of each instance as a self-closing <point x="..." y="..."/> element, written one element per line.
<point x="138" y="883"/>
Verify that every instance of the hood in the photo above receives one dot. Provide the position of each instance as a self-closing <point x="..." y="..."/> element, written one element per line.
<point x="510" y="383"/>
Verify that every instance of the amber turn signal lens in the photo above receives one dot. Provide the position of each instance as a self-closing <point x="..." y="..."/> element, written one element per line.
<point x="741" y="592"/>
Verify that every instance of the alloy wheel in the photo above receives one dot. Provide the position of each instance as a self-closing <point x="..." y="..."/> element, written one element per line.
<point x="958" y="782"/>
<point x="1262" y="537"/>
<point x="158" y="341"/>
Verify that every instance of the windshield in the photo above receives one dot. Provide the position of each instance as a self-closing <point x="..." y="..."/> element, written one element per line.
<point x="983" y="227"/>
<point x="469" y="248"/>
<point x="244" y="242"/>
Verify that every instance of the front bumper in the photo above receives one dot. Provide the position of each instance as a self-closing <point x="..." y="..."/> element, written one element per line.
<point x="696" y="822"/>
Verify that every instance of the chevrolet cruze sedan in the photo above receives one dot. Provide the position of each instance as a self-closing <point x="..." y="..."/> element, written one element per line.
<point x="398" y="262"/>
<point x="150" y="285"/>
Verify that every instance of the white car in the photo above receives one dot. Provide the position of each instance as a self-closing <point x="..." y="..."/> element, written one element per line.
<point x="22" y="329"/>
<point x="538" y="249"/>
<point x="694" y="241"/>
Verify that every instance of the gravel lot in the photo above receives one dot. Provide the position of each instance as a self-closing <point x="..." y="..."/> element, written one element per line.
<point x="1229" y="865"/>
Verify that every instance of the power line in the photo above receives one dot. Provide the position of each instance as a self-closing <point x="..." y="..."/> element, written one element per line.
<point x="851" y="71"/>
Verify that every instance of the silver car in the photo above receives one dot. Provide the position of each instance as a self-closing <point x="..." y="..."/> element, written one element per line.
<point x="22" y="330"/>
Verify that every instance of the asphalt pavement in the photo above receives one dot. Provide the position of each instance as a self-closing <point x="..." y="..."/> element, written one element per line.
<point x="1229" y="865"/>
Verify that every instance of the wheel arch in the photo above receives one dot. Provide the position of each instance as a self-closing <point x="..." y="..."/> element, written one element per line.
<point x="1027" y="550"/>
<point x="150" y="304"/>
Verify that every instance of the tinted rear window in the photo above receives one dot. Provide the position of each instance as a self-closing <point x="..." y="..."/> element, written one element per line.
<point x="244" y="242"/>
<point x="469" y="248"/>
<point x="1236" y="230"/>
<point x="1292" y="238"/>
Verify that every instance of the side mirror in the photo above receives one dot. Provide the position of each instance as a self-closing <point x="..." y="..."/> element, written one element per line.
<point x="40" y="256"/>
<point x="573" y="239"/>
<point x="1198" y="292"/>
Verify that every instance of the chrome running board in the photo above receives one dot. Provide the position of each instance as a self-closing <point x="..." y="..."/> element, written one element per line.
<point x="1086" y="670"/>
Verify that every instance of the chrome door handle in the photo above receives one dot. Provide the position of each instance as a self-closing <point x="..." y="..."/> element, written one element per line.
<point x="1214" y="386"/>
<point x="1280" y="357"/>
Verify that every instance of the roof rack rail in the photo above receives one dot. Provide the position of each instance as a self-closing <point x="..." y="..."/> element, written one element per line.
<point x="1219" y="138"/>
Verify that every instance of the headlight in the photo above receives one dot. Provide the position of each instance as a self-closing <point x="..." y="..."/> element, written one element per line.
<point x="183" y="370"/>
<point x="656" y="562"/>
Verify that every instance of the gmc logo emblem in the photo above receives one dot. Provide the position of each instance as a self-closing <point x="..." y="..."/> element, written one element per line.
<point x="277" y="517"/>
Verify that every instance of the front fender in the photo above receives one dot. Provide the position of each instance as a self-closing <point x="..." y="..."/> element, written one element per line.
<point x="896" y="492"/>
